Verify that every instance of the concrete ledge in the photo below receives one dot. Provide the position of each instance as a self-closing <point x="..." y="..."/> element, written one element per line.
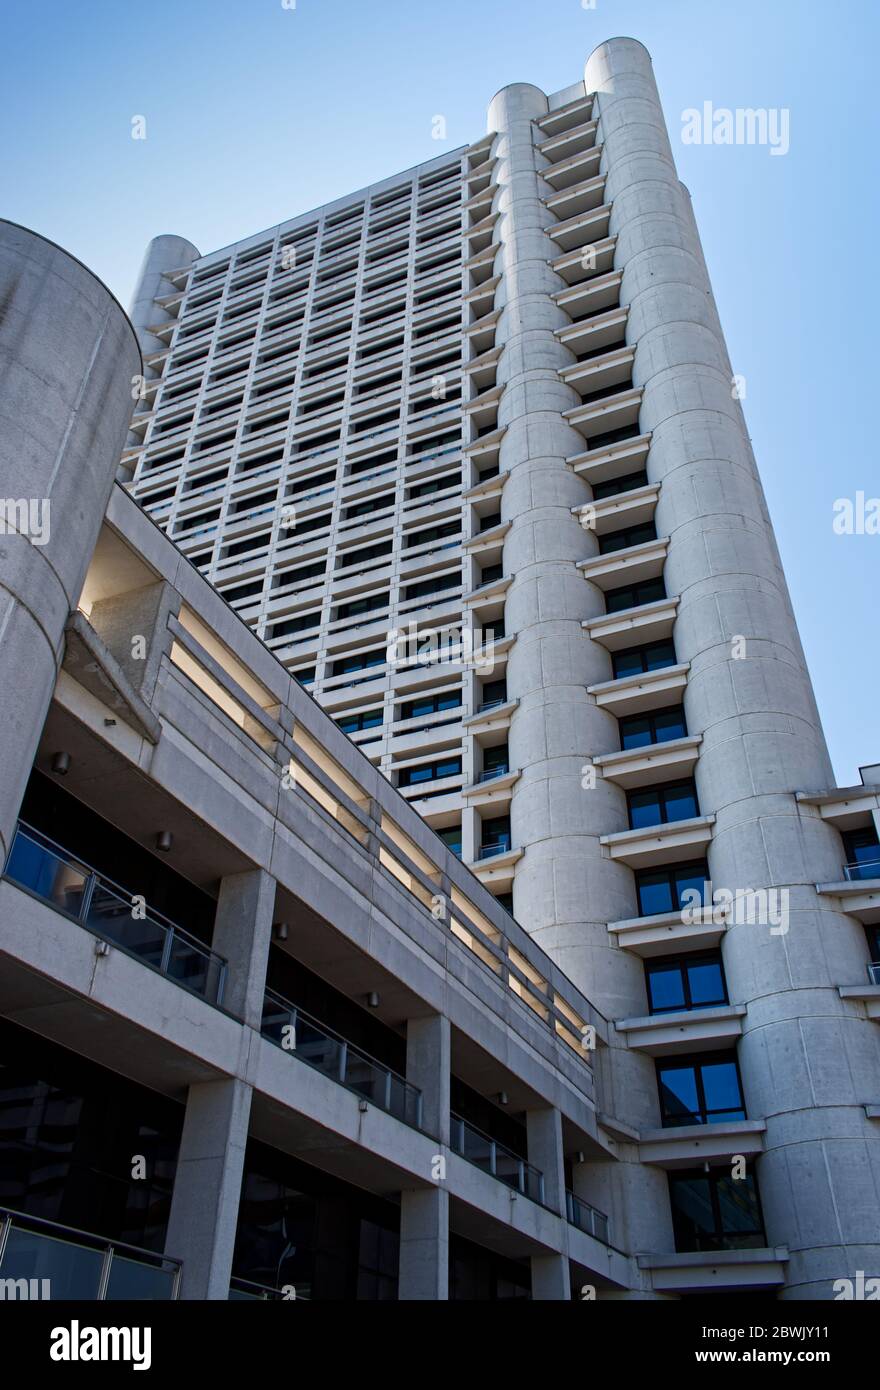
<point x="665" y="1034"/>
<point x="691" y="1145"/>
<point x="666" y="933"/>
<point x="714" y="1270"/>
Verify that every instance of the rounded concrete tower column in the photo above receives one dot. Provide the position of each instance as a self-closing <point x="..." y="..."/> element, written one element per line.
<point x="809" y="1061"/>
<point x="67" y="357"/>
<point x="565" y="892"/>
<point x="163" y="254"/>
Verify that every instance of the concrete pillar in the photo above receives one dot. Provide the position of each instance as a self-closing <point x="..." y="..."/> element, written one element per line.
<point x="808" y="1059"/>
<point x="164" y="253"/>
<point x="424" y="1212"/>
<point x="67" y="358"/>
<point x="565" y="892"/>
<point x="428" y="1066"/>
<point x="550" y="1273"/>
<point x="551" y="1278"/>
<point x="207" y="1187"/>
<point x="544" y="1140"/>
<point x="424" y="1246"/>
<point x="243" y="935"/>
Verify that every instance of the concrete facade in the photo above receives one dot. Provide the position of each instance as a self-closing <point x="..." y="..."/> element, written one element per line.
<point x="514" y="352"/>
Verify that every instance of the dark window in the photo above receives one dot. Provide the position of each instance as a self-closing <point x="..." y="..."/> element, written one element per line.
<point x="634" y="595"/>
<point x="375" y="504"/>
<point x="242" y="591"/>
<point x="451" y="837"/>
<point x="496" y="833"/>
<point x="663" y="890"/>
<point x="492" y="693"/>
<point x="693" y="982"/>
<point x="426" y="587"/>
<point x="631" y="535"/>
<point x="366" y="719"/>
<point x="662" y="805"/>
<point x="306" y="676"/>
<point x="862" y="853"/>
<point x="305" y="623"/>
<point x="433" y="485"/>
<point x="700" y="1091"/>
<point x="285" y="577"/>
<point x="360" y="661"/>
<point x="714" y="1211"/>
<point x="429" y="772"/>
<point x="369" y="552"/>
<point x="490" y="573"/>
<point x="635" y="660"/>
<point x="434" y="533"/>
<point x="315" y="523"/>
<point x="615" y="485"/>
<point x="357" y="606"/>
<point x="495" y="760"/>
<point x="659" y="726"/>
<point x="431" y="704"/>
<point x="242" y="547"/>
<point x="506" y="901"/>
<point x="68" y="1130"/>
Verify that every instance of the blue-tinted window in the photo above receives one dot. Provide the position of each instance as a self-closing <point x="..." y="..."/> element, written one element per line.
<point x="635" y="660"/>
<point x="430" y="772"/>
<point x="700" y="1091"/>
<point x="641" y="730"/>
<point x="662" y="805"/>
<point x="662" y="890"/>
<point x="692" y="982"/>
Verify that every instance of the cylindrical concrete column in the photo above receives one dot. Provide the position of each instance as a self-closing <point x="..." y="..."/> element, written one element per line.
<point x="565" y="891"/>
<point x="808" y="1059"/>
<point x="67" y="357"/>
<point x="163" y="254"/>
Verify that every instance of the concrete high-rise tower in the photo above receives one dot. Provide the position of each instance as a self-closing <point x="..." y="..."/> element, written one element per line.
<point x="465" y="450"/>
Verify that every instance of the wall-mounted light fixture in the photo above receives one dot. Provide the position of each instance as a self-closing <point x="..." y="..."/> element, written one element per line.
<point x="164" y="841"/>
<point x="60" y="764"/>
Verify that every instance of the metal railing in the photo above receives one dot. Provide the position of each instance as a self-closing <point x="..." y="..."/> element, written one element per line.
<point x="46" y="1260"/>
<point x="865" y="868"/>
<point x="489" y="851"/>
<point x="490" y="704"/>
<point x="489" y="774"/>
<point x="588" y="1219"/>
<point x="495" y="1158"/>
<point x="245" y="1290"/>
<point x="874" y="972"/>
<point x="329" y="1052"/>
<point x="74" y="888"/>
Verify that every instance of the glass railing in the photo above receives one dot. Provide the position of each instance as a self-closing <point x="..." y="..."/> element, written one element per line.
<point x="46" y="1261"/>
<point x="588" y="1219"/>
<point x="327" y="1051"/>
<point x="489" y="851"/>
<point x="37" y="864"/>
<point x="874" y="972"/>
<point x="245" y="1290"/>
<point x="490" y="773"/>
<point x="863" y="868"/>
<point x="495" y="1158"/>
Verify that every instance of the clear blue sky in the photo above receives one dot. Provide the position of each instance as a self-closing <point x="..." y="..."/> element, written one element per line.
<point x="256" y="112"/>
